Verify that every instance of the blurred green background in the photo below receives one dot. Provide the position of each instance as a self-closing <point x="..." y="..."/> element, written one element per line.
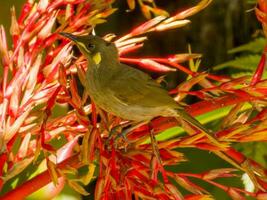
<point x="223" y="25"/>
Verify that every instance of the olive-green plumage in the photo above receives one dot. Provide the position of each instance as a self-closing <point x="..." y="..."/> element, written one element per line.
<point x="125" y="91"/>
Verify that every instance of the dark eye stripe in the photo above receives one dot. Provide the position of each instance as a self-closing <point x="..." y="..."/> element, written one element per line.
<point x="90" y="46"/>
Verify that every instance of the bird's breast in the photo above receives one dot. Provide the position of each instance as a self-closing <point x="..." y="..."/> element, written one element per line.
<point x="94" y="86"/>
<point x="97" y="87"/>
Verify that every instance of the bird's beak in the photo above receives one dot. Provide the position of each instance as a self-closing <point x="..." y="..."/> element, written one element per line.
<point x="69" y="36"/>
<point x="79" y="42"/>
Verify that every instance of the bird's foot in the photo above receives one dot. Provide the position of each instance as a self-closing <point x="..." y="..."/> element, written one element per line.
<point x="121" y="132"/>
<point x="121" y="140"/>
<point x="118" y="136"/>
<point x="114" y="131"/>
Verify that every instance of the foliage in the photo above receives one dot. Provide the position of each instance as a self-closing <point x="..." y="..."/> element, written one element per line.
<point x="41" y="71"/>
<point x="246" y="62"/>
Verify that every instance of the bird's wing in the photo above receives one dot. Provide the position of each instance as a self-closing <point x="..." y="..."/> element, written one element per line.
<point x="134" y="87"/>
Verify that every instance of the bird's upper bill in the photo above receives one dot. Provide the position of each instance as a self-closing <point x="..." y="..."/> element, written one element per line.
<point x="69" y="36"/>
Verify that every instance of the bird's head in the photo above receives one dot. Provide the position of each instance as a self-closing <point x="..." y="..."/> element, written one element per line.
<point x="93" y="47"/>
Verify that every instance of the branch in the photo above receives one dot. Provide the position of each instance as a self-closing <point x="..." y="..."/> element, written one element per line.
<point x="39" y="181"/>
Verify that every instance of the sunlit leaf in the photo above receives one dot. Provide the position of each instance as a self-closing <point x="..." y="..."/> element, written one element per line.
<point x="77" y="187"/>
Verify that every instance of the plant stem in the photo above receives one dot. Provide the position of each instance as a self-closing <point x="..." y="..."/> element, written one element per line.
<point x="39" y="181"/>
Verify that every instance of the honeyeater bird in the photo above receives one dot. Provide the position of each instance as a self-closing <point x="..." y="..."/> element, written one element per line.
<point x="125" y="91"/>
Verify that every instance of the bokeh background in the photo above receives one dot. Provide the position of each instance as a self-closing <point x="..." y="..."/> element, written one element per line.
<point x="224" y="25"/>
<point x="220" y="27"/>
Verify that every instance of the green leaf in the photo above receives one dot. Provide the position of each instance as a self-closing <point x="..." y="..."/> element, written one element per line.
<point x="255" y="46"/>
<point x="89" y="176"/>
<point x="251" y="1"/>
<point x="244" y="63"/>
<point x="77" y="187"/>
<point x="254" y="150"/>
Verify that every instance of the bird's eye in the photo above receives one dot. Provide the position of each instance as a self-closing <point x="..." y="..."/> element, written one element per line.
<point x="90" y="46"/>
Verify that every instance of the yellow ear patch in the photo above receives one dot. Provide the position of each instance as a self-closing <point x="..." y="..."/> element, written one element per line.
<point x="97" y="58"/>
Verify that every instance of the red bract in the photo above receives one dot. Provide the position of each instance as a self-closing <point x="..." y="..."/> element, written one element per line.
<point x="40" y="71"/>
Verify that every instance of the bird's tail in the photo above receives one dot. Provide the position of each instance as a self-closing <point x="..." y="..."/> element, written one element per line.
<point x="183" y="115"/>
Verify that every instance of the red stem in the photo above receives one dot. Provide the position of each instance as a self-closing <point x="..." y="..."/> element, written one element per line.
<point x="94" y="115"/>
<point x="227" y="100"/>
<point x="259" y="72"/>
<point x="39" y="181"/>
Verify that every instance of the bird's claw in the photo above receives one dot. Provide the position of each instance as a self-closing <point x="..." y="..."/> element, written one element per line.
<point x="115" y="135"/>
<point x="123" y="136"/>
<point x="112" y="133"/>
<point x="121" y="140"/>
